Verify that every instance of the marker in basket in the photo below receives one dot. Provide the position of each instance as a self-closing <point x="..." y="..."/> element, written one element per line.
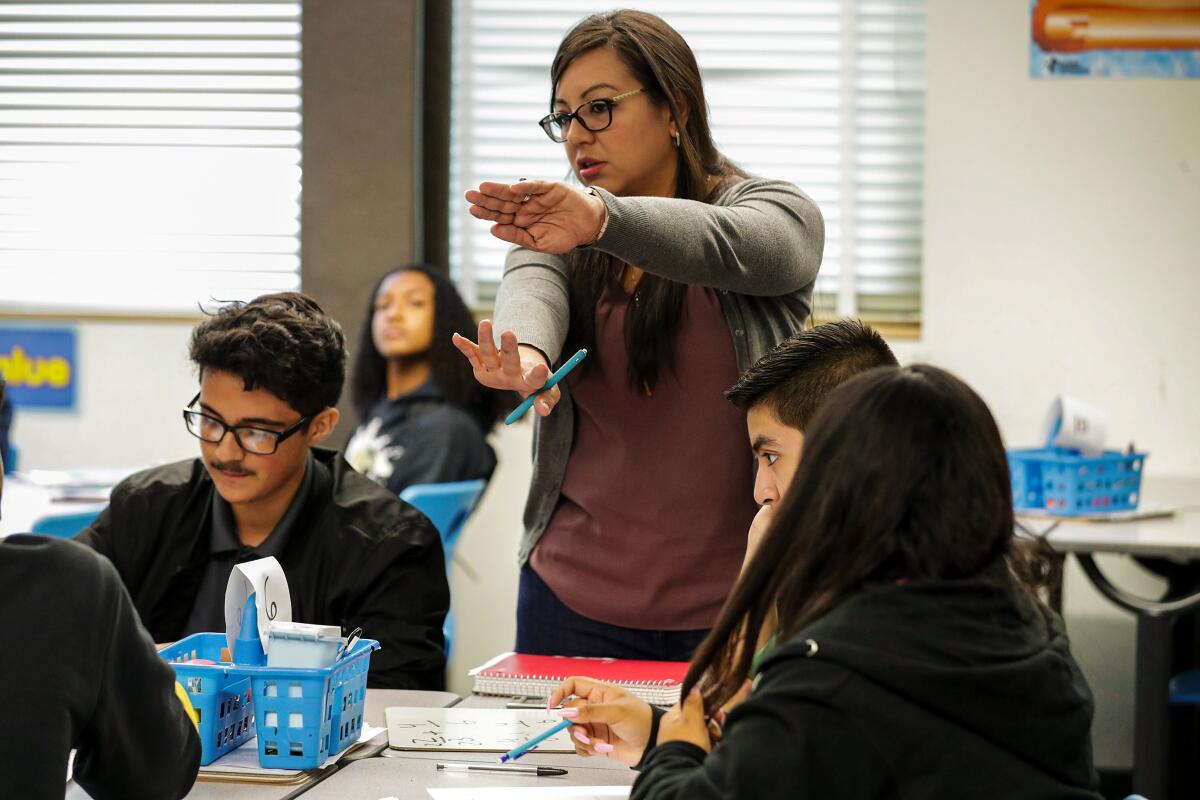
<point x="522" y="749"/>
<point x="558" y="375"/>
<point x="351" y="640"/>
<point x="247" y="648"/>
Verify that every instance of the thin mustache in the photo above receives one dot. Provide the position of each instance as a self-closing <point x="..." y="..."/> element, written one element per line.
<point x="230" y="468"/>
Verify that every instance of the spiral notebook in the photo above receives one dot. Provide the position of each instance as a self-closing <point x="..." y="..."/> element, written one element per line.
<point x="656" y="682"/>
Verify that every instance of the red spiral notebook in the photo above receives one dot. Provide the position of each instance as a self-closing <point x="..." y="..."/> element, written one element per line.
<point x="656" y="682"/>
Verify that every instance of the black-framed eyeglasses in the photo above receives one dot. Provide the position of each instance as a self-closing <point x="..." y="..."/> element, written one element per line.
<point x="595" y="115"/>
<point x="259" y="441"/>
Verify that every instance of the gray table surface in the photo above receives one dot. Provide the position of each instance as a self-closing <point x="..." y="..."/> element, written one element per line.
<point x="408" y="778"/>
<point x="407" y="774"/>
<point x="1177" y="536"/>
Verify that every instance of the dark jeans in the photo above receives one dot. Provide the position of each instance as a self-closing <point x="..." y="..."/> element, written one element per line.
<point x="547" y="627"/>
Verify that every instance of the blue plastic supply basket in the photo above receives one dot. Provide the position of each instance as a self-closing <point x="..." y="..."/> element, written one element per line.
<point x="302" y="715"/>
<point x="1064" y="483"/>
<point x="222" y="699"/>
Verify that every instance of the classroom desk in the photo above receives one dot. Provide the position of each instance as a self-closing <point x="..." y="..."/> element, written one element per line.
<point x="408" y="778"/>
<point x="1177" y="538"/>
<point x="24" y="503"/>
<point x="406" y="775"/>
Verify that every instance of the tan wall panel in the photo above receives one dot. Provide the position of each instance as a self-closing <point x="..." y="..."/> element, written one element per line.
<point x="359" y="212"/>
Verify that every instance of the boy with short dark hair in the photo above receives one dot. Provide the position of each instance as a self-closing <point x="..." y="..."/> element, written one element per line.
<point x="355" y="555"/>
<point x="783" y="389"/>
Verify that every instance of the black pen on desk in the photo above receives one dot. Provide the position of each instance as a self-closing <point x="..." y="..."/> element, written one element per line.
<point x="518" y="769"/>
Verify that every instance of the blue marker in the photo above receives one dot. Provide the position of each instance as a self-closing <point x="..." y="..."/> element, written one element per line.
<point x="247" y="648"/>
<point x="522" y="749"/>
<point x="527" y="403"/>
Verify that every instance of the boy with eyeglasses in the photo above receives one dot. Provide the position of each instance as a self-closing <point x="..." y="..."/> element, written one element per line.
<point x="355" y="555"/>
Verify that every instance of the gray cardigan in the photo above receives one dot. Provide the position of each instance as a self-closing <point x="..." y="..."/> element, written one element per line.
<point x="759" y="245"/>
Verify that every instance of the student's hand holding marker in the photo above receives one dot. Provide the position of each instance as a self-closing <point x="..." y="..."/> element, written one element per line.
<point x="515" y="368"/>
<point x="544" y="216"/>
<point x="609" y="721"/>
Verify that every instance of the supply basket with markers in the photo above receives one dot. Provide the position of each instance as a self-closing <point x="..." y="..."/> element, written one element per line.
<point x="1064" y="483"/>
<point x="302" y="695"/>
<point x="301" y="715"/>
<point x="1073" y="475"/>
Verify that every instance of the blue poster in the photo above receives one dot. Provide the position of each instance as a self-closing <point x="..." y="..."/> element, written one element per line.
<point x="39" y="366"/>
<point x="1115" y="39"/>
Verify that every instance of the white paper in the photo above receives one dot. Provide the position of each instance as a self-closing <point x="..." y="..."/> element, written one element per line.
<point x="264" y="579"/>
<point x="479" y="730"/>
<point x="79" y="478"/>
<point x="532" y="793"/>
<point x="1076" y="425"/>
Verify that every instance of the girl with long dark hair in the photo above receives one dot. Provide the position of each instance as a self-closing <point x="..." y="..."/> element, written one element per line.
<point x="676" y="270"/>
<point x="423" y="418"/>
<point x="914" y="657"/>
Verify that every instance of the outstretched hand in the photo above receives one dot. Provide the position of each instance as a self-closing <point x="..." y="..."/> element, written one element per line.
<point x="543" y="216"/>
<point x="516" y="368"/>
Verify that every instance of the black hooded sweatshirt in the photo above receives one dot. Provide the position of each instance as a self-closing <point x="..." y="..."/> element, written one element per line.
<point x="931" y="689"/>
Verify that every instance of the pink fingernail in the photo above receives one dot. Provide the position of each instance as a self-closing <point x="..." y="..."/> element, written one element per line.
<point x="604" y="747"/>
<point x="567" y="713"/>
<point x="581" y="736"/>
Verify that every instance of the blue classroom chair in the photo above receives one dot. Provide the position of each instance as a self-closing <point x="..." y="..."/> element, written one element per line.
<point x="448" y="505"/>
<point x="64" y="526"/>
<point x="1185" y="688"/>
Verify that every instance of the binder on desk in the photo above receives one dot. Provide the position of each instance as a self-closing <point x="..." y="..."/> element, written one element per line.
<point x="656" y="682"/>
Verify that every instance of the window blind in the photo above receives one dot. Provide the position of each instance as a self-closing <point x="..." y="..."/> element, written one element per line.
<point x="149" y="154"/>
<point x="828" y="94"/>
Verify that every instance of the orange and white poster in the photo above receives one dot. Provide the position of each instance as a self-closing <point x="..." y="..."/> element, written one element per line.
<point x="1115" y="38"/>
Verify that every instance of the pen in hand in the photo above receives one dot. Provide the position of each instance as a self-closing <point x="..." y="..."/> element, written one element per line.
<point x="524" y="748"/>
<point x="558" y="375"/>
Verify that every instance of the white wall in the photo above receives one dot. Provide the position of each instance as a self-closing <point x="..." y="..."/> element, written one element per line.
<point x="1062" y="235"/>
<point x="134" y="378"/>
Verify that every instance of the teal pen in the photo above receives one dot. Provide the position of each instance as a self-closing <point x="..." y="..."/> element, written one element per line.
<point x="559" y="374"/>
<point x="522" y="749"/>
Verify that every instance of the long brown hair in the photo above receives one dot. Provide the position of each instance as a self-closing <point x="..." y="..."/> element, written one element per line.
<point x="664" y="64"/>
<point x="904" y="477"/>
<point x="452" y="374"/>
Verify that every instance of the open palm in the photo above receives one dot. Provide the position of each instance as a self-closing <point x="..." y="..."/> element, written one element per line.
<point x="544" y="216"/>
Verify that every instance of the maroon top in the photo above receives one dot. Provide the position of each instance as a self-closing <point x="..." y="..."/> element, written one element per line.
<point x="650" y="529"/>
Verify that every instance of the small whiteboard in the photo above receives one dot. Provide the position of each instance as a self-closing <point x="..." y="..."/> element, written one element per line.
<point x="475" y="730"/>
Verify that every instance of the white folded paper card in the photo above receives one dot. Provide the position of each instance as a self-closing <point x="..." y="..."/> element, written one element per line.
<point x="1076" y="425"/>
<point x="264" y="579"/>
